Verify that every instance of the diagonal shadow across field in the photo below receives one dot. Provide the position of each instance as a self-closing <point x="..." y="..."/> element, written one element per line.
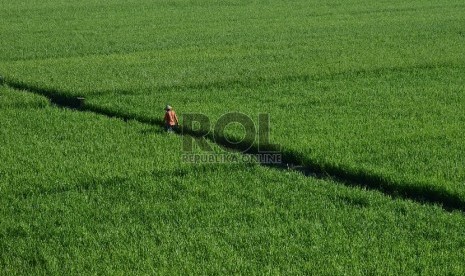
<point x="426" y="194"/>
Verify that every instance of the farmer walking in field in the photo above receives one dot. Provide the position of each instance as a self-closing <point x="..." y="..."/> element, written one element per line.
<point x="171" y="120"/>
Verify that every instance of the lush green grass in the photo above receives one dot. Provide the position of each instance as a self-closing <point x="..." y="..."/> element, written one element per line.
<point x="83" y="193"/>
<point x="359" y="86"/>
<point x="376" y="88"/>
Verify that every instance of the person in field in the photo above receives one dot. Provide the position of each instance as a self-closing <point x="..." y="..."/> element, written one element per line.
<point x="171" y="120"/>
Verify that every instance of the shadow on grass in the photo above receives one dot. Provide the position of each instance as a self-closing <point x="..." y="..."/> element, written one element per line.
<point x="420" y="192"/>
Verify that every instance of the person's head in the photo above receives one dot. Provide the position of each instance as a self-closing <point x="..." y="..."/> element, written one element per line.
<point x="168" y="107"/>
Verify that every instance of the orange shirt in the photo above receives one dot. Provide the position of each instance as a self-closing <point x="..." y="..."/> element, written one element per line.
<point x="171" y="118"/>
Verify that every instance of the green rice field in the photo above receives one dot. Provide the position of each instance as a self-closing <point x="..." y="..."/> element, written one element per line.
<point x="365" y="98"/>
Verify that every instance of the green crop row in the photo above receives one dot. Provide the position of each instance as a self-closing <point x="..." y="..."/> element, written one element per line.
<point x="375" y="89"/>
<point x="83" y="193"/>
<point x="350" y="30"/>
<point x="406" y="126"/>
<point x="402" y="124"/>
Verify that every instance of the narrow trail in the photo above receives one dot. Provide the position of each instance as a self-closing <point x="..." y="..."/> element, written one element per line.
<point x="424" y="194"/>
